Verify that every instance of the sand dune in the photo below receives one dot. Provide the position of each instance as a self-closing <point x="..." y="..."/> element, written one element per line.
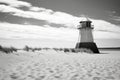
<point x="52" y="65"/>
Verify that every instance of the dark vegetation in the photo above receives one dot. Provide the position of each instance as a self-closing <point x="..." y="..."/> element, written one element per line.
<point x="73" y="50"/>
<point x="8" y="49"/>
<point x="27" y="48"/>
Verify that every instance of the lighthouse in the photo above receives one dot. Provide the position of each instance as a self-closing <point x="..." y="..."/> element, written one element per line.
<point x="86" y="38"/>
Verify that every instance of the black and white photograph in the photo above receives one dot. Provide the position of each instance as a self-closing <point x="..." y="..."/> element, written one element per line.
<point x="59" y="39"/>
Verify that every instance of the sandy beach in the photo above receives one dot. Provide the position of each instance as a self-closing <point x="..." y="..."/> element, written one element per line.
<point x="53" y="65"/>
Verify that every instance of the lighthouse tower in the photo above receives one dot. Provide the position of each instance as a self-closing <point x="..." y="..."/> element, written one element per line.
<point x="86" y="38"/>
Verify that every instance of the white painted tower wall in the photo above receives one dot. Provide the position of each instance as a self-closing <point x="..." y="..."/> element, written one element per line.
<point x="86" y="35"/>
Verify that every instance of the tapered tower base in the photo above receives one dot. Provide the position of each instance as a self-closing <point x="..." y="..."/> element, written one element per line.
<point x="89" y="45"/>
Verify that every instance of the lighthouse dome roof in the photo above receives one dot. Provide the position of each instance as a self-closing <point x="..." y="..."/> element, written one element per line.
<point x="85" y="19"/>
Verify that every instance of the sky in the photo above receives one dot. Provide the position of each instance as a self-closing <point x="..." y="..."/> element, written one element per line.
<point x="56" y="21"/>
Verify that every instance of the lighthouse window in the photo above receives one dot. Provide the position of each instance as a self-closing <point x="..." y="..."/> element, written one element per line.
<point x="88" y="24"/>
<point x="83" y="24"/>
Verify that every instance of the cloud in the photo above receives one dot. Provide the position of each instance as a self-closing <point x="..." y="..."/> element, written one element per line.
<point x="61" y="18"/>
<point x="54" y="17"/>
<point x="40" y="9"/>
<point x="11" y="31"/>
<point x="15" y="3"/>
<point x="36" y="9"/>
<point x="32" y="35"/>
<point x="105" y="26"/>
<point x="116" y="18"/>
<point x="51" y="17"/>
<point x="43" y="14"/>
<point x="44" y="36"/>
<point x="8" y="30"/>
<point x="9" y="9"/>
